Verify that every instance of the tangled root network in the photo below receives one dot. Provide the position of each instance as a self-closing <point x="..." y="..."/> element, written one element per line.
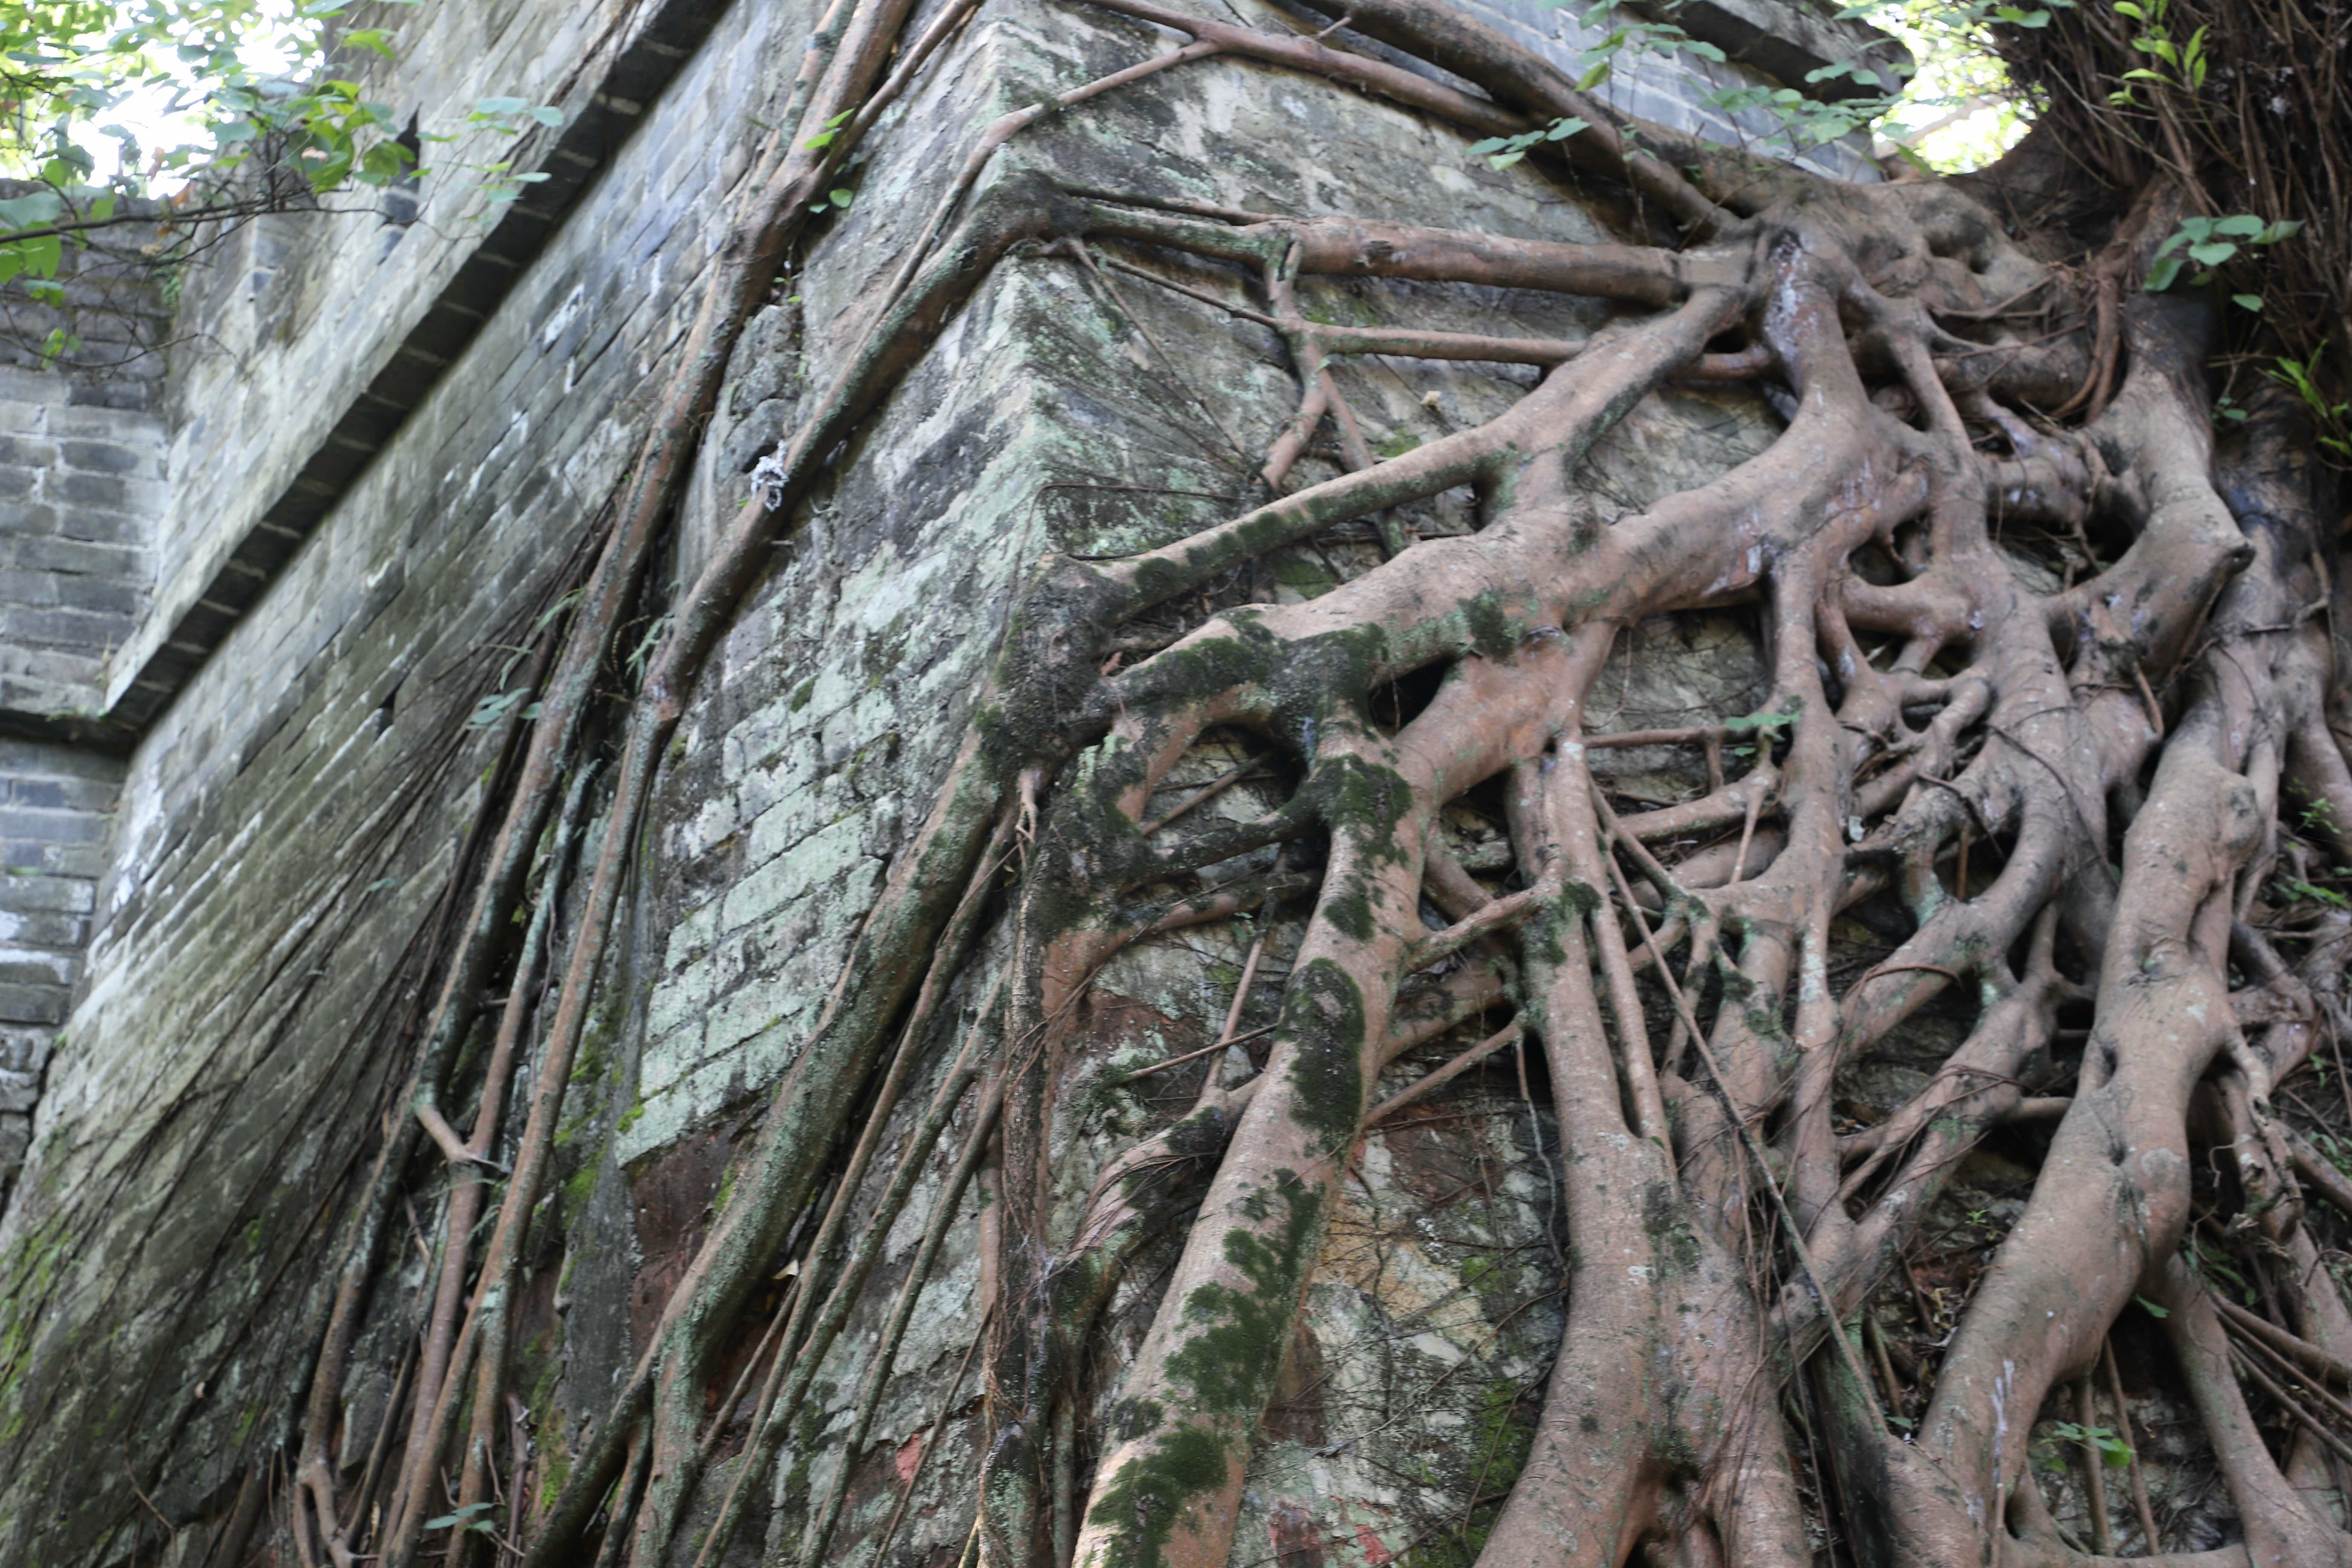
<point x="2073" y="794"/>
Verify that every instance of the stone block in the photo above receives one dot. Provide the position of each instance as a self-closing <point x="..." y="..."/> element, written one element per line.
<point x="92" y="418"/>
<point x="34" y="890"/>
<point x="32" y="1004"/>
<point x="94" y="527"/>
<point x="114" y="392"/>
<point x="123" y="601"/>
<point x="48" y="759"/>
<point x="17" y="1094"/>
<point x="79" y="556"/>
<point x="106" y="491"/>
<point x="52" y="826"/>
<point x="61" y="794"/>
<point x="60" y="627"/>
<point x="110" y="458"/>
<point x="39" y="928"/>
<point x="18" y="586"/>
<point x="26" y="1051"/>
<point x="86" y="861"/>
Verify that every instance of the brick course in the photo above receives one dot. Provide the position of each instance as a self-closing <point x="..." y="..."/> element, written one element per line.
<point x="57" y="806"/>
<point x="81" y="488"/>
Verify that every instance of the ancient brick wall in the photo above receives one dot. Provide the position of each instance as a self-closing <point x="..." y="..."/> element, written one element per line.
<point x="81" y="488"/>
<point x="57" y="804"/>
<point x="377" y="484"/>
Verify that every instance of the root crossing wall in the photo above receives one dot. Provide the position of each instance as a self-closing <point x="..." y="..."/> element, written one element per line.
<point x="382" y="453"/>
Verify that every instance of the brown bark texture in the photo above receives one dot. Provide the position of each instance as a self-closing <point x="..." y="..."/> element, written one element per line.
<point x="2099" y="803"/>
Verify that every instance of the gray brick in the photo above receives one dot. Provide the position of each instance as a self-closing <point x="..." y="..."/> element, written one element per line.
<point x="65" y="932"/>
<point x="106" y="458"/>
<point x="17" y="484"/>
<point x="52" y="826"/>
<point x="87" y="525"/>
<point x="19" y="1092"/>
<point x="74" y="556"/>
<point x="26" y="1051"/>
<point x="48" y="759"/>
<point x="112" y="393"/>
<point x="106" y="490"/>
<point x="37" y="890"/>
<point x="18" y="586"/>
<point x="38" y="968"/>
<point x="101" y="596"/>
<point x="129" y="427"/>
<point x="27" y="452"/>
<point x="64" y="795"/>
<point x="68" y="628"/>
<point x="84" y="861"/>
<point x="33" y="1004"/>
<point x="18" y="518"/>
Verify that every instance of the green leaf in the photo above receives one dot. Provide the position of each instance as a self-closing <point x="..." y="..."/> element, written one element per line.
<point x="1562" y="130"/>
<point x="839" y="198"/>
<point x="2285" y="228"/>
<point x="1759" y="722"/>
<point x="2160" y="276"/>
<point x="31" y="210"/>
<point x="548" y="114"/>
<point x="2250" y="302"/>
<point x="1593" y="78"/>
<point x="2212" y="253"/>
<point x="2151" y="1309"/>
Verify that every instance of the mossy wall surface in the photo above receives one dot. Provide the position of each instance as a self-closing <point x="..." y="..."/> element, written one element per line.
<point x="287" y="823"/>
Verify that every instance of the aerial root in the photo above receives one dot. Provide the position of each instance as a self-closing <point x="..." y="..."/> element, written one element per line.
<point x="1990" y="740"/>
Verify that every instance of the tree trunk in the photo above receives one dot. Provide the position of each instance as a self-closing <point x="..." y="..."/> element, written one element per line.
<point x="1715" y="944"/>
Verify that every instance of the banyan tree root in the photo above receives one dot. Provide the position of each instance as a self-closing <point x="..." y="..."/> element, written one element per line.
<point x="1926" y="703"/>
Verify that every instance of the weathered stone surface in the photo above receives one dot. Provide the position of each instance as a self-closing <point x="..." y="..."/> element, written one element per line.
<point x="287" y="823"/>
<point x="81" y="488"/>
<point x="56" y="813"/>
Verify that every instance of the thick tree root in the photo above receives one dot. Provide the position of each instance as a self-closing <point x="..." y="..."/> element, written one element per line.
<point x="1724" y="1234"/>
